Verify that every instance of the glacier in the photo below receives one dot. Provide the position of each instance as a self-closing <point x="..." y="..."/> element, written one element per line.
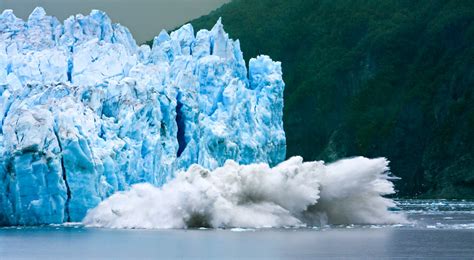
<point x="85" y="112"/>
<point x="97" y="129"/>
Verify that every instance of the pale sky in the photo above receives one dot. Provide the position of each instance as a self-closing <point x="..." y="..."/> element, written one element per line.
<point x="144" y="18"/>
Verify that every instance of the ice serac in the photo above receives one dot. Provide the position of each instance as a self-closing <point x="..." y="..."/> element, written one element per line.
<point x="86" y="112"/>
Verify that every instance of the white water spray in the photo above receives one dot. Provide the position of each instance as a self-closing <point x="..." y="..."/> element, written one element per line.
<point x="292" y="194"/>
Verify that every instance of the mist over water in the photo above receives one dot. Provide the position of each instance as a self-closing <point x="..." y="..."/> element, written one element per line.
<point x="292" y="194"/>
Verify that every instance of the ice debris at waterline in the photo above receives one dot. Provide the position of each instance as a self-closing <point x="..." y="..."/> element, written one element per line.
<point x="293" y="194"/>
<point x="86" y="112"/>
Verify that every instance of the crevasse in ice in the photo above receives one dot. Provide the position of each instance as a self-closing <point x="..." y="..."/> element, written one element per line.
<point x="86" y="112"/>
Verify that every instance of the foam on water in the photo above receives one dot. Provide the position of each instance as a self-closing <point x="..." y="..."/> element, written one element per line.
<point x="292" y="194"/>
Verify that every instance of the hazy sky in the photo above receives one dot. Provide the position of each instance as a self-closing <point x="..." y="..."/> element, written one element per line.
<point x="144" y="18"/>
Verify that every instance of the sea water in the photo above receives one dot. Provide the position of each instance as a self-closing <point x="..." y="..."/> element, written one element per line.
<point x="438" y="228"/>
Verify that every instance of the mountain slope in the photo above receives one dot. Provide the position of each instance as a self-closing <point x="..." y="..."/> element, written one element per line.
<point x="372" y="78"/>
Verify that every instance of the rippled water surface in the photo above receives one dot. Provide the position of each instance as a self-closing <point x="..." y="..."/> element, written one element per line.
<point x="439" y="229"/>
<point x="439" y="214"/>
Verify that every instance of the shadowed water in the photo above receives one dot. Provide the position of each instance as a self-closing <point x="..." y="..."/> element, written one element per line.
<point x="440" y="229"/>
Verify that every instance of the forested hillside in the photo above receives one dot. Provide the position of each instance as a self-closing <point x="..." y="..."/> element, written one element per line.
<point x="372" y="78"/>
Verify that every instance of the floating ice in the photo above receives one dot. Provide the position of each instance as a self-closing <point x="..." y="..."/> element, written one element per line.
<point x="86" y="112"/>
<point x="292" y="194"/>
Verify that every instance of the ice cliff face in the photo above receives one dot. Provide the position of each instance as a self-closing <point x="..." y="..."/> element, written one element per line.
<point x="86" y="112"/>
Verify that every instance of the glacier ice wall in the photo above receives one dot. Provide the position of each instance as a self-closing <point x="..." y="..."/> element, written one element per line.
<point x="86" y="112"/>
<point x="292" y="194"/>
